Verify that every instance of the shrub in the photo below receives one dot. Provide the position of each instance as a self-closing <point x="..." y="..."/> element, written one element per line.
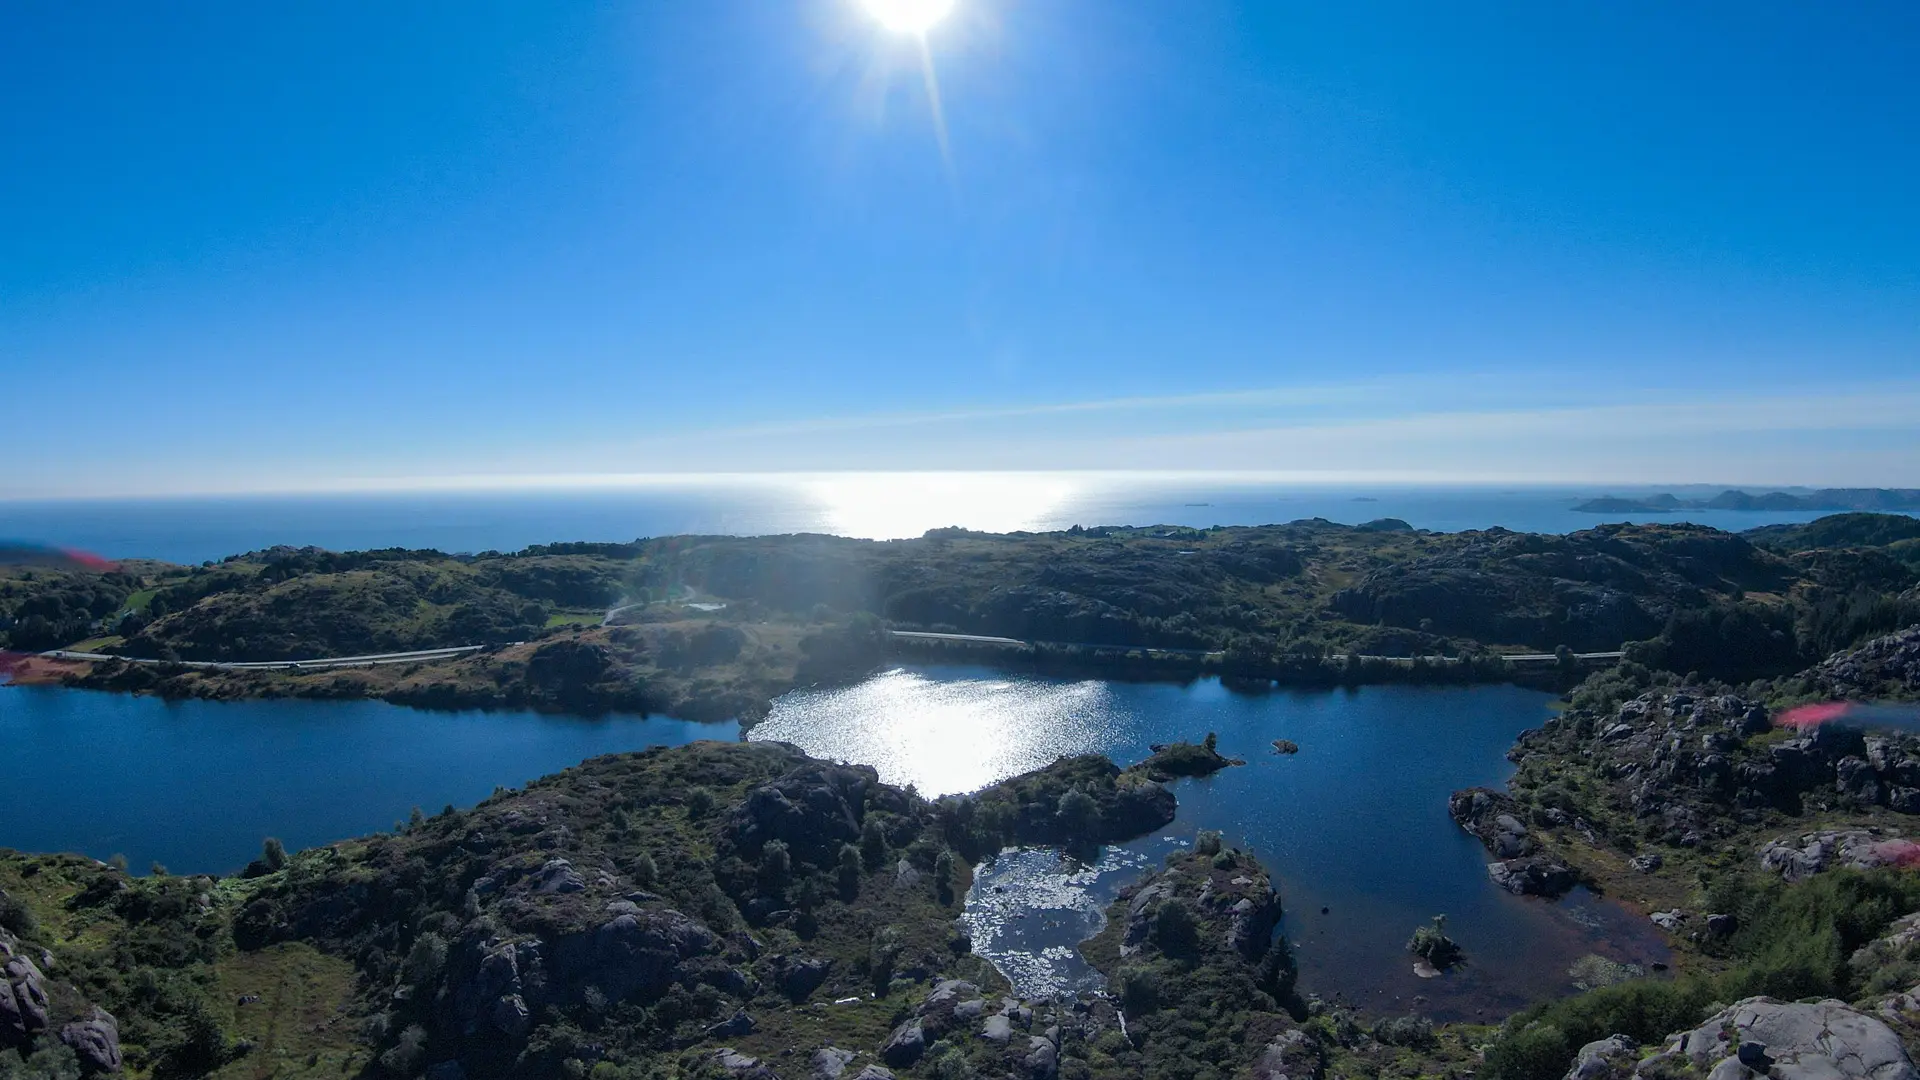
<point x="16" y="916"/>
<point x="1174" y="928"/>
<point x="1431" y="943"/>
<point x="1535" y="1052"/>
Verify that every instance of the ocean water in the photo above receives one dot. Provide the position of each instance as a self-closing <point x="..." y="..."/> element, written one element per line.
<point x="882" y="506"/>
<point x="1354" y="826"/>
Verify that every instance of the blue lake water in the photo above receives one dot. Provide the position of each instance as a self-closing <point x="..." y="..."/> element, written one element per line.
<point x="195" y="529"/>
<point x="196" y="785"/>
<point x="1356" y="822"/>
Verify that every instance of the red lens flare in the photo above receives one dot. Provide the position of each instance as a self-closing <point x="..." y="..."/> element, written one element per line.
<point x="1807" y="717"/>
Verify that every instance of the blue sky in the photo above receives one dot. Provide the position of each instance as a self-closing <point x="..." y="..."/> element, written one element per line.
<point x="256" y="247"/>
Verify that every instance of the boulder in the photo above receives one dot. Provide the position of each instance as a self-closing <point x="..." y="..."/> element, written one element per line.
<point x="874" y="1072"/>
<point x="558" y="876"/>
<point x="1532" y="876"/>
<point x="829" y="1062"/>
<point x="1611" y="1058"/>
<point x="733" y="1027"/>
<point x="23" y="995"/>
<point x="511" y="1016"/>
<point x="1854" y="778"/>
<point x="800" y="976"/>
<point x="1826" y="1040"/>
<point x="1670" y="921"/>
<point x="1043" y="1055"/>
<point x="997" y="1029"/>
<point x="636" y="955"/>
<point x="739" y="1066"/>
<point x="1292" y="1055"/>
<point x="905" y="1045"/>
<point x="1494" y="819"/>
<point x="95" y="1041"/>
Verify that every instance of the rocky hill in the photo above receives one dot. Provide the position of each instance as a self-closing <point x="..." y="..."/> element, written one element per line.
<point x="714" y="909"/>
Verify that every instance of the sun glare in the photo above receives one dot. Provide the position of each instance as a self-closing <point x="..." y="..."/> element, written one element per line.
<point x="909" y="16"/>
<point x="890" y="506"/>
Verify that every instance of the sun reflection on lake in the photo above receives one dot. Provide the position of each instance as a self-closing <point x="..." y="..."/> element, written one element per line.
<point x="944" y="736"/>
<point x="892" y="506"/>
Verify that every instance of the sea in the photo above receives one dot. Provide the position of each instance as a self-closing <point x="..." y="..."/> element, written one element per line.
<point x="872" y="505"/>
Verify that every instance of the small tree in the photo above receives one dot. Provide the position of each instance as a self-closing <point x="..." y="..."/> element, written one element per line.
<point x="1174" y="928"/>
<point x="873" y="844"/>
<point x="1077" y="812"/>
<point x="699" y="802"/>
<point x="776" y="865"/>
<point x="273" y="853"/>
<point x="644" y="870"/>
<point x="1212" y="741"/>
<point x="849" y="871"/>
<point x="1431" y="943"/>
<point x="424" y="962"/>
<point x="944" y="874"/>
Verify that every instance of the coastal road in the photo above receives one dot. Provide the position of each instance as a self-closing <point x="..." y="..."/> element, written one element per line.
<point x="416" y="657"/>
<point x="1017" y="643"/>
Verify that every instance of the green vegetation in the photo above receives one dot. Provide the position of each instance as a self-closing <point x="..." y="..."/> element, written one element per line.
<point x="1794" y="942"/>
<point x="1205" y="993"/>
<point x="1310" y="603"/>
<point x="1431" y="943"/>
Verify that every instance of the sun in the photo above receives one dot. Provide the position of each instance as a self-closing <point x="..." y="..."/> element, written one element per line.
<point x="909" y="16"/>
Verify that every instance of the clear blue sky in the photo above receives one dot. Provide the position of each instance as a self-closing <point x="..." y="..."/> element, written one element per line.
<point x="250" y="246"/>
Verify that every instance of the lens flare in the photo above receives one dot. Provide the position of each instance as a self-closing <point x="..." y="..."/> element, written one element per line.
<point x="1806" y="717"/>
<point x="20" y="553"/>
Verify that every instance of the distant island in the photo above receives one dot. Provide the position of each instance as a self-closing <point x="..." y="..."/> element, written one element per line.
<point x="1824" y="500"/>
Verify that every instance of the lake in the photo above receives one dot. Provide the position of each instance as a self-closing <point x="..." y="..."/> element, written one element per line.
<point x="1355" y="823"/>
<point x="196" y="785"/>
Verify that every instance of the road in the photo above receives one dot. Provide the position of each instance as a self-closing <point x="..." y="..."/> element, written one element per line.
<point x="416" y="657"/>
<point x="421" y="656"/>
<point x="1016" y="643"/>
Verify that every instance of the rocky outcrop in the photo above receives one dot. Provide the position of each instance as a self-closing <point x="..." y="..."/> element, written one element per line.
<point x="24" y="1005"/>
<point x="738" y="1066"/>
<point x="1856" y="849"/>
<point x="952" y="1003"/>
<point x="1292" y="1055"/>
<point x="813" y="810"/>
<point x="1884" y="667"/>
<point x="1826" y="1040"/>
<point x="1494" y="819"/>
<point x="95" y="1041"/>
<point x="1681" y="767"/>
<point x="1533" y="876"/>
<point x="1612" y="1058"/>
